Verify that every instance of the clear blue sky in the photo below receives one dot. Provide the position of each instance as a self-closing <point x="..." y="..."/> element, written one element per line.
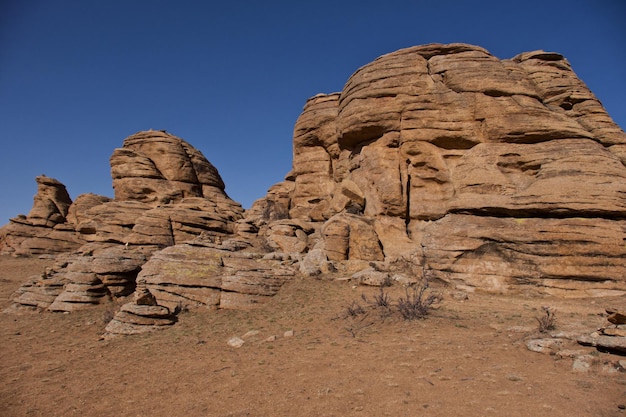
<point x="231" y="77"/>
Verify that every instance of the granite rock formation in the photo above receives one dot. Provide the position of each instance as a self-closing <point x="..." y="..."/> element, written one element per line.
<point x="491" y="174"/>
<point x="47" y="229"/>
<point x="202" y="274"/>
<point x="166" y="193"/>
<point x="498" y="175"/>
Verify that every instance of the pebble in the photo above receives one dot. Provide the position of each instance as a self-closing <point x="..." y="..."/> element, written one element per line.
<point x="235" y="342"/>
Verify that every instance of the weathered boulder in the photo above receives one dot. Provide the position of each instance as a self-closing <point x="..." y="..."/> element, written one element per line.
<point x="200" y="274"/>
<point x="166" y="192"/>
<point x="562" y="256"/>
<point x="141" y="315"/>
<point x="157" y="168"/>
<point x="351" y="237"/>
<point x="91" y="275"/>
<point x="77" y="211"/>
<point x="45" y="229"/>
<point x="51" y="203"/>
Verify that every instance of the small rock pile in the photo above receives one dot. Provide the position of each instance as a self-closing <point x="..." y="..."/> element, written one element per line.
<point x="141" y="315"/>
<point x="611" y="338"/>
<point x="572" y="345"/>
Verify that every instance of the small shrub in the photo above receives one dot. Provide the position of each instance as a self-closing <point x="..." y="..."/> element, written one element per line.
<point x="548" y="320"/>
<point x="417" y="302"/>
<point x="380" y="300"/>
<point x="354" y="310"/>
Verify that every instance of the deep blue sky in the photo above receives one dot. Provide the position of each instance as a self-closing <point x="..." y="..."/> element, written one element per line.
<point x="231" y="77"/>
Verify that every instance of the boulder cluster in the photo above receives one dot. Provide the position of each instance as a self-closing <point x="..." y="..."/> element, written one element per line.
<point x="489" y="174"/>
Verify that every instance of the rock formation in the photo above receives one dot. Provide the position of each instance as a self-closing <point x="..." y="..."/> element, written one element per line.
<point x="492" y="174"/>
<point x="499" y="175"/>
<point x="46" y="229"/>
<point x="156" y="205"/>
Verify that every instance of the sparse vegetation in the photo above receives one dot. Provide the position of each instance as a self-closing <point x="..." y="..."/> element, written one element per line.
<point x="381" y="302"/>
<point x="108" y="315"/>
<point x="354" y="310"/>
<point x="382" y="299"/>
<point x="416" y="304"/>
<point x="418" y="301"/>
<point x="547" y="322"/>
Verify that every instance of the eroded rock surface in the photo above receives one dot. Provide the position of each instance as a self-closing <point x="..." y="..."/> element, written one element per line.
<point x="498" y="175"/>
<point x="201" y="274"/>
<point x="45" y="230"/>
<point x="166" y="193"/>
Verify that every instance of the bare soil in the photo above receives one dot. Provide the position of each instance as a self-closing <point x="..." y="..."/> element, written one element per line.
<point x="468" y="357"/>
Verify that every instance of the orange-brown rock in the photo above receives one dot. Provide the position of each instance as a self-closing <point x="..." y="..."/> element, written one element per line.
<point x="157" y="168"/>
<point x="166" y="193"/>
<point x="445" y="150"/>
<point x="199" y="274"/>
<point x="45" y="229"/>
<point x="501" y="175"/>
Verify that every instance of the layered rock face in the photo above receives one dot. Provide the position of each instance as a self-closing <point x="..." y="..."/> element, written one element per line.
<point x="157" y="168"/>
<point x="166" y="192"/>
<point x="48" y="228"/>
<point x="497" y="174"/>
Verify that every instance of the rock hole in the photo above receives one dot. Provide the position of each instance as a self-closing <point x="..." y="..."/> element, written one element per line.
<point x="566" y="105"/>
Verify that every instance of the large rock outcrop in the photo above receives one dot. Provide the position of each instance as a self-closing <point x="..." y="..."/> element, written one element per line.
<point x="446" y="151"/>
<point x="500" y="175"/>
<point x="166" y="193"/>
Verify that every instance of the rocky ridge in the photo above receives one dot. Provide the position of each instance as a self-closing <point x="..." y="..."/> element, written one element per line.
<point x="488" y="174"/>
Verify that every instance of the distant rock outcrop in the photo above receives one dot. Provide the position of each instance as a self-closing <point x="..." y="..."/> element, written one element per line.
<point x="498" y="175"/>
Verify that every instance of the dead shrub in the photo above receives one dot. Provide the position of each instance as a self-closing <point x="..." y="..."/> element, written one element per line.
<point x="547" y="322"/>
<point x="354" y="310"/>
<point x="381" y="303"/>
<point x="417" y="301"/>
<point x="381" y="299"/>
<point x="108" y="315"/>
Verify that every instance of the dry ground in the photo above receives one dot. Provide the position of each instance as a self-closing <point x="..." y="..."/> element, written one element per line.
<point x="468" y="358"/>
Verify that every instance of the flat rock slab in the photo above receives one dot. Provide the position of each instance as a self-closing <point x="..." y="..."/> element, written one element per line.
<point x="611" y="343"/>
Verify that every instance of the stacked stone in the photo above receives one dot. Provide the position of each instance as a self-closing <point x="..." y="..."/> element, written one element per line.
<point x="82" y="290"/>
<point x="140" y="316"/>
<point x="213" y="276"/>
<point x="37" y="293"/>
